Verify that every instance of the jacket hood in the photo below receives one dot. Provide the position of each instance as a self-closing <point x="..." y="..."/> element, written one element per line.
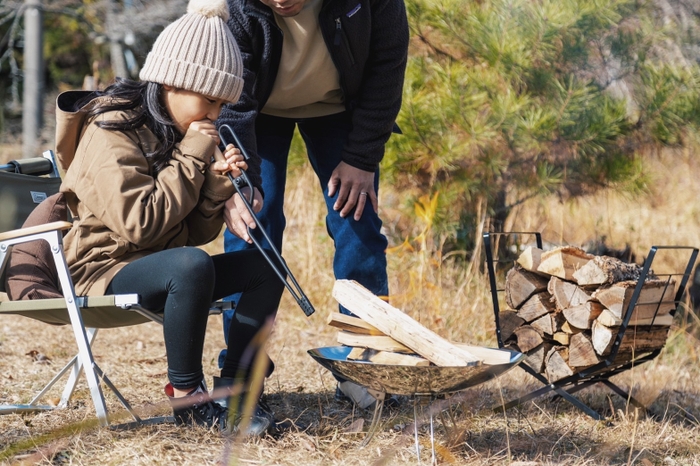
<point x="70" y="120"/>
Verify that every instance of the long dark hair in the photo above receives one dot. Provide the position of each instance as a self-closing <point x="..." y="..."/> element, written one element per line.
<point x="143" y="100"/>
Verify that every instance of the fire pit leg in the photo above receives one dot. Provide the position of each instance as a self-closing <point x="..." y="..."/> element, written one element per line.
<point x="378" y="407"/>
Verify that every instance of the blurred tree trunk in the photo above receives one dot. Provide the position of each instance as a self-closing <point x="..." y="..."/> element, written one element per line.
<point x="33" y="78"/>
<point x="115" y="35"/>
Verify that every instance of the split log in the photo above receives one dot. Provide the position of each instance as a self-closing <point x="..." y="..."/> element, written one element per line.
<point x="581" y="352"/>
<point x="569" y="329"/>
<point x="609" y="319"/>
<point x="544" y="324"/>
<point x="402" y="328"/>
<point x="558" y="320"/>
<point x="602" y="270"/>
<point x="562" y="338"/>
<point x="375" y="342"/>
<point x="530" y="258"/>
<point x="566" y="294"/>
<point x="351" y="324"/>
<point x="508" y="321"/>
<point x="563" y="262"/>
<point x="528" y="338"/>
<point x="538" y="305"/>
<point x="521" y="284"/>
<point x="387" y="358"/>
<point x="636" y="339"/>
<point x="656" y="298"/>
<point x="535" y="357"/>
<point x="582" y="315"/>
<point x="556" y="367"/>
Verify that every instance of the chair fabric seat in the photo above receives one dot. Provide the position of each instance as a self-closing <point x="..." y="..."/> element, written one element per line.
<point x="97" y="311"/>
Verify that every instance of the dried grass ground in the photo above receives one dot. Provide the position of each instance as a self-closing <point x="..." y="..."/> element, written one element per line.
<point x="451" y="299"/>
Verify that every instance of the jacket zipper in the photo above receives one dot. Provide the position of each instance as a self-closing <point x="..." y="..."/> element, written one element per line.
<point x="338" y="38"/>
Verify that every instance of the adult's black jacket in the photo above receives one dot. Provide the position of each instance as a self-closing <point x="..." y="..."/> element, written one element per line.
<point x="368" y="42"/>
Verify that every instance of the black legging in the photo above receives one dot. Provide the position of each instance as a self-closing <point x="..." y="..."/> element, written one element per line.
<point x="183" y="282"/>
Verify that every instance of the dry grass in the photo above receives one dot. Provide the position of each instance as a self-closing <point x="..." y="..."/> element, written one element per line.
<point x="451" y="299"/>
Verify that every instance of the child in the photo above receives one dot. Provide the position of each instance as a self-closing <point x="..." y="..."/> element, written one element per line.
<point x="143" y="190"/>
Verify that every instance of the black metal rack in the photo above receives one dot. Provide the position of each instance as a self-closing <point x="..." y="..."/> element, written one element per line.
<point x="607" y="368"/>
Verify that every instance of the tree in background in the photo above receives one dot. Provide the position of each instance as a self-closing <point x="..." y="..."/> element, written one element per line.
<point x="506" y="100"/>
<point x="81" y="38"/>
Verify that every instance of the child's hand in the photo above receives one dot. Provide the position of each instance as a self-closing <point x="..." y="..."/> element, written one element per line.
<point x="207" y="128"/>
<point x="231" y="161"/>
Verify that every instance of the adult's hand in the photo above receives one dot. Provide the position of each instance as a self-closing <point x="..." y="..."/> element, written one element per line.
<point x="353" y="186"/>
<point x="236" y="214"/>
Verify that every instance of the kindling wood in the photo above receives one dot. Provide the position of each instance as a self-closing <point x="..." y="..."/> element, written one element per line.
<point x="394" y="323"/>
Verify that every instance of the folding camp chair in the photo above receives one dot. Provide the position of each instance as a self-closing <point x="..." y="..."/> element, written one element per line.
<point x="503" y="249"/>
<point x="21" y="190"/>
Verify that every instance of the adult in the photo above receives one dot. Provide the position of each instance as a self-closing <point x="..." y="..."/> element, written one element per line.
<point x="334" y="69"/>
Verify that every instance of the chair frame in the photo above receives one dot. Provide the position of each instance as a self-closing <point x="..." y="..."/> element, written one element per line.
<point x="607" y="368"/>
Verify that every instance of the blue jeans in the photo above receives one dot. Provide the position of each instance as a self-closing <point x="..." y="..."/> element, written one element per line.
<point x="360" y="247"/>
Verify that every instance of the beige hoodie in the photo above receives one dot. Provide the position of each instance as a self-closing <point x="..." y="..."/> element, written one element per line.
<point x="120" y="210"/>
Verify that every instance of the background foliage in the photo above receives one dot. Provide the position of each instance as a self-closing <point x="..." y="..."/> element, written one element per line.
<point x="506" y="100"/>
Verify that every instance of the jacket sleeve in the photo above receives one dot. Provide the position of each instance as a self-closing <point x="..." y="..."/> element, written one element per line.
<point x="113" y="180"/>
<point x="379" y="100"/>
<point x="205" y="221"/>
<point x="241" y="115"/>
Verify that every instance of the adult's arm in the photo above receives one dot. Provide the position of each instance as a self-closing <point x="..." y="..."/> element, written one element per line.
<point x="379" y="99"/>
<point x="241" y="115"/>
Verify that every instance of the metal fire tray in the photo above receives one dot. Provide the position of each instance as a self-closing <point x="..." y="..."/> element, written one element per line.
<point x="410" y="380"/>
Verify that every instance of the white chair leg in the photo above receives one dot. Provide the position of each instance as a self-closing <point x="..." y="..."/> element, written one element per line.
<point x="84" y="352"/>
<point x="75" y="373"/>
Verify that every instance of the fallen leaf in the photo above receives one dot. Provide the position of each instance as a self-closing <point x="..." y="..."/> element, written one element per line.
<point x="39" y="358"/>
<point x="356" y="426"/>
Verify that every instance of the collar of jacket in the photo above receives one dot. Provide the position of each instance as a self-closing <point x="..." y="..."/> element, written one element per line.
<point x="256" y="7"/>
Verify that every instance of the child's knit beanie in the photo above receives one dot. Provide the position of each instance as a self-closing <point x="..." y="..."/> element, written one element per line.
<point x="198" y="53"/>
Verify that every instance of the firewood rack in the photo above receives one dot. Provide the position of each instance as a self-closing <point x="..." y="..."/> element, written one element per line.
<point x="499" y="258"/>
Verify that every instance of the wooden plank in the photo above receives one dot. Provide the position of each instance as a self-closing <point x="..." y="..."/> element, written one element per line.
<point x="356" y="354"/>
<point x="380" y="343"/>
<point x="563" y="262"/>
<point x="603" y="270"/>
<point x="387" y="358"/>
<point x="566" y="294"/>
<point x="655" y="298"/>
<point x="530" y="258"/>
<point x="609" y="319"/>
<point x="521" y="284"/>
<point x="489" y="356"/>
<point x="402" y="328"/>
<point x="351" y="324"/>
<point x="536" y="306"/>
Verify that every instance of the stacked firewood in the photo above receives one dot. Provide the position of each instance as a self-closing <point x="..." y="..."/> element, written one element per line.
<point x="565" y="308"/>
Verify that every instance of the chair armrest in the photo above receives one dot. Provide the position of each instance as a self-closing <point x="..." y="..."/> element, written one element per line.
<point x="35" y="230"/>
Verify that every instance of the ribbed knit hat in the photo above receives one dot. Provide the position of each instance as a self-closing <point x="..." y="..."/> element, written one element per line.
<point x="198" y="53"/>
